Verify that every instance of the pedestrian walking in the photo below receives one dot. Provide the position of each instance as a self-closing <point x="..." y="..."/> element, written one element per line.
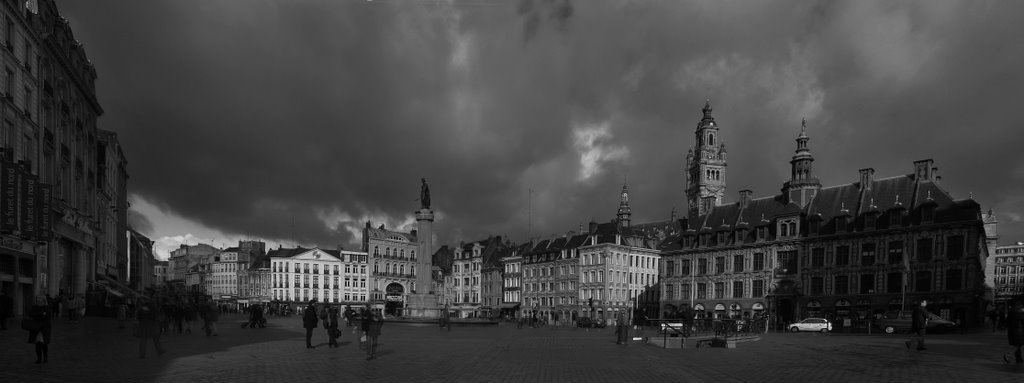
<point x="189" y="315"/>
<point x="178" y="315"/>
<point x="122" y="314"/>
<point x="348" y="316"/>
<point x="309" y="319"/>
<point x="1015" y="330"/>
<point x="332" y="327"/>
<point x="149" y="328"/>
<point x="374" y="322"/>
<point x="446" y="318"/>
<point x="519" y="319"/>
<point x="212" y="316"/>
<point x="919" y="324"/>
<point x="39" y="328"/>
<point x="6" y="309"/>
<point x="992" y="318"/>
<point x="57" y="304"/>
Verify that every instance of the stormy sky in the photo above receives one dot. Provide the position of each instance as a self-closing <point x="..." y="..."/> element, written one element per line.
<point x="298" y="121"/>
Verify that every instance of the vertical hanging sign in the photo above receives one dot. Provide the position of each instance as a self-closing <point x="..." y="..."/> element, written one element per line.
<point x="44" y="213"/>
<point x="29" y="184"/>
<point x="9" y="175"/>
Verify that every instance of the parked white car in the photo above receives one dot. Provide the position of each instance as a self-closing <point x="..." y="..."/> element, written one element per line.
<point x="811" y="324"/>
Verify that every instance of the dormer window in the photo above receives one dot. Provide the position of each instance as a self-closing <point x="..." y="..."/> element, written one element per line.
<point x="840" y="224"/>
<point x="721" y="238"/>
<point x="927" y="213"/>
<point x="788" y="228"/>
<point x="895" y="218"/>
<point x="869" y="221"/>
<point x="762" y="233"/>
<point x="704" y="239"/>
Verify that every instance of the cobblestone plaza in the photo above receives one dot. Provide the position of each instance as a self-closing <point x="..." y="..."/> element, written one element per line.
<point x="96" y="351"/>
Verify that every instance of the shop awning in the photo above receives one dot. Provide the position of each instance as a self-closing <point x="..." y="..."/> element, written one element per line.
<point x="506" y="306"/>
<point x="116" y="285"/>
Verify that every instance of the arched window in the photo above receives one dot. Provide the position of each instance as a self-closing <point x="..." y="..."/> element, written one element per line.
<point x="387" y="252"/>
<point x="792" y="228"/>
<point x="376" y="251"/>
<point x="376" y="267"/>
<point x="711" y="139"/>
<point x="403" y="253"/>
<point x="401" y="269"/>
<point x="412" y="253"/>
<point x="412" y="269"/>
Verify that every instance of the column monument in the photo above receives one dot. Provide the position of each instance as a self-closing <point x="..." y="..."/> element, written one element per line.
<point x="423" y="303"/>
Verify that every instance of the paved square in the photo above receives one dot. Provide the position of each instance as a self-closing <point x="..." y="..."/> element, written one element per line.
<point x="96" y="351"/>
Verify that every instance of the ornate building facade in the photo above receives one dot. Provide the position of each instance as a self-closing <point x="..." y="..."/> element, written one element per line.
<point x="393" y="261"/>
<point x="851" y="251"/>
<point x="55" y="215"/>
<point x="329" y="276"/>
<point x="1008" y="272"/>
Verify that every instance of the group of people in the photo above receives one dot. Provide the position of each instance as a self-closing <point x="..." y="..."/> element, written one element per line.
<point x="368" y="330"/>
<point x="159" y="316"/>
<point x="73" y="306"/>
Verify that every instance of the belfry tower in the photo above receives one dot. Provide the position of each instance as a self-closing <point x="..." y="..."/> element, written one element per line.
<point x="624" y="213"/>
<point x="802" y="185"/>
<point x="705" y="167"/>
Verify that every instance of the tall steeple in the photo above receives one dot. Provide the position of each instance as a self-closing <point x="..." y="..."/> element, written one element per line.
<point x="624" y="214"/>
<point x="802" y="185"/>
<point x="705" y="168"/>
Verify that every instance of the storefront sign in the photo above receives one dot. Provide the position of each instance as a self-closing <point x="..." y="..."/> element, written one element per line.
<point x="45" y="213"/>
<point x="28" y="205"/>
<point x="9" y="176"/>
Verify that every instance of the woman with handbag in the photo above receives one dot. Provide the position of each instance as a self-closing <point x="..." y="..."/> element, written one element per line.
<point x="37" y="323"/>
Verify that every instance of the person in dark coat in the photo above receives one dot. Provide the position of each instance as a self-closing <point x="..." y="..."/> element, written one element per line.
<point x="149" y="328"/>
<point x="374" y="322"/>
<point x="332" y="326"/>
<point x="39" y="335"/>
<point x="1015" y="330"/>
<point x="919" y="324"/>
<point x="309" y="321"/>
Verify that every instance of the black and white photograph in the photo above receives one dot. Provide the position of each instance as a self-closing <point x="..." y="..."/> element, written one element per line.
<point x="511" y="190"/>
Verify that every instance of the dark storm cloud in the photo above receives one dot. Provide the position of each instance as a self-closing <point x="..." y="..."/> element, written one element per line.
<point x="246" y="115"/>
<point x="140" y="223"/>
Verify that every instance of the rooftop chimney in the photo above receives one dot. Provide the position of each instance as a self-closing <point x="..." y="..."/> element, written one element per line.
<point x="745" y="198"/>
<point x="923" y="170"/>
<point x="867" y="177"/>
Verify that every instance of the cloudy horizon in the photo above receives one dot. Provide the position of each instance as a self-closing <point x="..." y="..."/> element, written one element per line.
<point x="297" y="122"/>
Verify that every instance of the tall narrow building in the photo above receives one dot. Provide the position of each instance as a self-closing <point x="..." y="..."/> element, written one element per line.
<point x="705" y="167"/>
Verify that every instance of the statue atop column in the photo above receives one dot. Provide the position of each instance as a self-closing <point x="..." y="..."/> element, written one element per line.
<point x="424" y="195"/>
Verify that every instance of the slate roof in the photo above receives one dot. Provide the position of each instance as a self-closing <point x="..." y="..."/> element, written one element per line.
<point x="286" y="252"/>
<point x="378" y="233"/>
<point x="848" y="200"/>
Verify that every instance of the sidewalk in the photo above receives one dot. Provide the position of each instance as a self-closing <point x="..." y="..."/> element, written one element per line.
<point x="95" y="351"/>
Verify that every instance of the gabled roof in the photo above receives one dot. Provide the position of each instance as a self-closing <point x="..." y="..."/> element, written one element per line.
<point x="378" y="233"/>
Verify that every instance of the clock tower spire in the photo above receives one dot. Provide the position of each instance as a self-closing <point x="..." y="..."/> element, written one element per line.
<point x="705" y="168"/>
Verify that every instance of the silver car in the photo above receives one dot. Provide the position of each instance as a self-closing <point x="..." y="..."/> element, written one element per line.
<point x="811" y="324"/>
